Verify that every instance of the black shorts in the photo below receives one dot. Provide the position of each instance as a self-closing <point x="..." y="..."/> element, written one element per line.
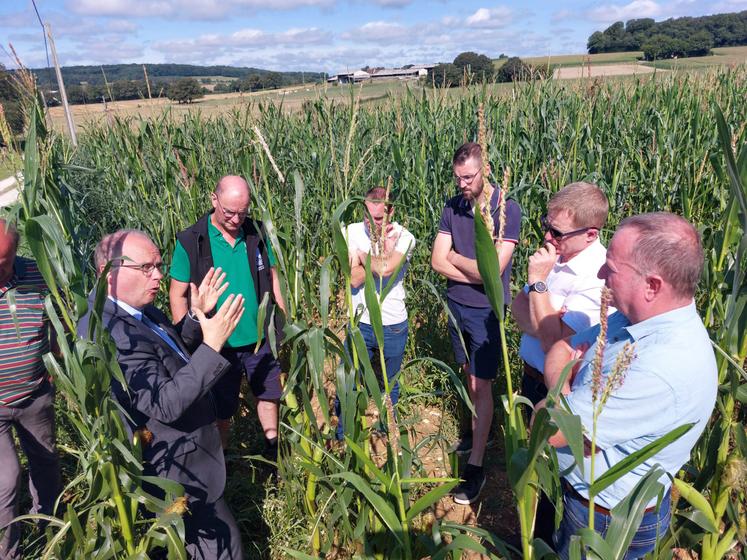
<point x="482" y="339"/>
<point x="262" y="371"/>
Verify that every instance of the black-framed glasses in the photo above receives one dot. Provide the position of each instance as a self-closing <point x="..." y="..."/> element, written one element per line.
<point x="230" y="214"/>
<point x="145" y="268"/>
<point x="465" y="178"/>
<point x="556" y="233"/>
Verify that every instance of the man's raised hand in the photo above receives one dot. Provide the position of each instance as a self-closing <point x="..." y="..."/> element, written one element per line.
<point x="206" y="296"/>
<point x="391" y="239"/>
<point x="541" y="263"/>
<point x="217" y="329"/>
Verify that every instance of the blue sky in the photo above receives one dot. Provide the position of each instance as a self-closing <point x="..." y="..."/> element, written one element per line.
<point x="317" y="35"/>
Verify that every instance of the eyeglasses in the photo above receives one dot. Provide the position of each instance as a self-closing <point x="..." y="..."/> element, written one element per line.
<point x="556" y="233"/>
<point x="145" y="268"/>
<point x="230" y="214"/>
<point x="466" y="178"/>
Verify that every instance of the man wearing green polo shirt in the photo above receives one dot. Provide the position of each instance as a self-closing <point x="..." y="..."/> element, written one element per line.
<point x="226" y="240"/>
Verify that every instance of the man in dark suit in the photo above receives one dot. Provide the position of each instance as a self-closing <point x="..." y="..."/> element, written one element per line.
<point x="169" y="372"/>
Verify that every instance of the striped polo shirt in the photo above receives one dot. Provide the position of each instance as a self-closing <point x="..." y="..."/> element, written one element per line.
<point x="23" y="334"/>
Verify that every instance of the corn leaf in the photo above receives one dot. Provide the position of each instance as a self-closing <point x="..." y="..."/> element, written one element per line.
<point x="488" y="265"/>
<point x="634" y="459"/>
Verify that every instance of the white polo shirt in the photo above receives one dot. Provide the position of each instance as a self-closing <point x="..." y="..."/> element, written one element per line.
<point x="574" y="285"/>
<point x="393" y="307"/>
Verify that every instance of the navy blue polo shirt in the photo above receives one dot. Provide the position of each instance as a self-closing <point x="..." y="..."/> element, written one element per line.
<point x="458" y="220"/>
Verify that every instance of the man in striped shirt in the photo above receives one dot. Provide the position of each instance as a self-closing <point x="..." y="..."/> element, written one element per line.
<point x="26" y="394"/>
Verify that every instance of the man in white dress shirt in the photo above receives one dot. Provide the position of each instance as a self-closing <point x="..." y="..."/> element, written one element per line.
<point x="562" y="295"/>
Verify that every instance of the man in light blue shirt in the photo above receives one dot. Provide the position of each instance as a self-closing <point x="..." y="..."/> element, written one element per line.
<point x="652" y="268"/>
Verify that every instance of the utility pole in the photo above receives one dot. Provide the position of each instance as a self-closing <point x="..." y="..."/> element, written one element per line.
<point x="61" y="86"/>
<point x="147" y="83"/>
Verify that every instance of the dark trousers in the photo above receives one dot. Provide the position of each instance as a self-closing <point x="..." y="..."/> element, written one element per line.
<point x="211" y="532"/>
<point x="533" y="384"/>
<point x="33" y="420"/>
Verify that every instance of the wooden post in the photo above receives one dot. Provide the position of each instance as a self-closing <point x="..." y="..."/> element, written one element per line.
<point x="106" y="83"/>
<point x="147" y="83"/>
<point x="61" y="86"/>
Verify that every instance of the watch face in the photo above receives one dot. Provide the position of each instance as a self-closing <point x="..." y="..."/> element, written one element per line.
<point x="539" y="287"/>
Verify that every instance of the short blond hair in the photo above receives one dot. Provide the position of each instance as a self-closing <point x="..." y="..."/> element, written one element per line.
<point x="585" y="203"/>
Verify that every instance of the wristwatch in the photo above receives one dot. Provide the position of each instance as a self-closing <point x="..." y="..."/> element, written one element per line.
<point x="539" y="287"/>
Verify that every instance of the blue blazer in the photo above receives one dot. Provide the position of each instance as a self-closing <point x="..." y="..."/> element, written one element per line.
<point x="169" y="397"/>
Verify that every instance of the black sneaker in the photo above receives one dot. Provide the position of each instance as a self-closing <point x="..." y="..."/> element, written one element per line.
<point x="270" y="452"/>
<point x="463" y="445"/>
<point x="468" y="491"/>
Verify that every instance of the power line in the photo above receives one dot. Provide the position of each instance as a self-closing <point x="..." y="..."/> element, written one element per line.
<point x="44" y="34"/>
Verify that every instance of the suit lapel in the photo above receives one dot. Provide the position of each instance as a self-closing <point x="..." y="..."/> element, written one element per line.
<point x="156" y="319"/>
<point x="140" y="327"/>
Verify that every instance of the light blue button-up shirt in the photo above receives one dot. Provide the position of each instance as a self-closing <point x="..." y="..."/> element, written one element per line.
<point x="671" y="381"/>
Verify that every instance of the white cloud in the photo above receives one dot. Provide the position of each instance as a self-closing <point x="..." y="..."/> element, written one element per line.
<point x="210" y="47"/>
<point x="121" y="26"/>
<point x="380" y="32"/>
<point x="490" y="18"/>
<point x="610" y="13"/>
<point x="393" y="3"/>
<point x="184" y="9"/>
<point x="726" y="6"/>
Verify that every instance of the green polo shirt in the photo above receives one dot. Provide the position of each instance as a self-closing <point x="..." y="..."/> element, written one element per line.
<point x="235" y="264"/>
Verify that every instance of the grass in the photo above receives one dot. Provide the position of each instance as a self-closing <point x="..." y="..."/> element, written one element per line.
<point x="213" y="105"/>
<point x="583" y="59"/>
<point x="7" y="168"/>
<point x="726" y="56"/>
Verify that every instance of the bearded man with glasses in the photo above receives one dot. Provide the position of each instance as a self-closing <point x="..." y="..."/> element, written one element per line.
<point x="473" y="327"/>
<point x="225" y="239"/>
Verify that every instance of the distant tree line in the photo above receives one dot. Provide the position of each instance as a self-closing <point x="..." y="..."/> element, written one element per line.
<point x="165" y="72"/>
<point x="257" y="82"/>
<point x="675" y="37"/>
<point x="123" y="90"/>
<point x="471" y="68"/>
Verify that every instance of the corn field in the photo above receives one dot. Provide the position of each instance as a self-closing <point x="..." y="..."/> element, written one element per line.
<point x="676" y="142"/>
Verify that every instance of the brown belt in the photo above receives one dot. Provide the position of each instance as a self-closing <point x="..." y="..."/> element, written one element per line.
<point x="533" y="373"/>
<point x="599" y="509"/>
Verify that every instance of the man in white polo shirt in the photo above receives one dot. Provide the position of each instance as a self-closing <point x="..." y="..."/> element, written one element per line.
<point x="388" y="243"/>
<point x="562" y="295"/>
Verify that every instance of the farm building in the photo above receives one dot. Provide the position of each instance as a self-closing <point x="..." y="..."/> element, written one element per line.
<point x="349" y="77"/>
<point x="399" y="74"/>
<point x="412" y="73"/>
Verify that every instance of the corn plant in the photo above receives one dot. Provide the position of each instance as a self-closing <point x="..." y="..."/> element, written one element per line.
<point x="651" y="144"/>
<point x="99" y="512"/>
<point x="714" y="526"/>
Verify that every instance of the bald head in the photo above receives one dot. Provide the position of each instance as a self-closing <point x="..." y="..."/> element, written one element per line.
<point x="8" y="248"/>
<point x="136" y="274"/>
<point x="231" y="203"/>
<point x="232" y="185"/>
<point x="668" y="245"/>
<point x="112" y="246"/>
